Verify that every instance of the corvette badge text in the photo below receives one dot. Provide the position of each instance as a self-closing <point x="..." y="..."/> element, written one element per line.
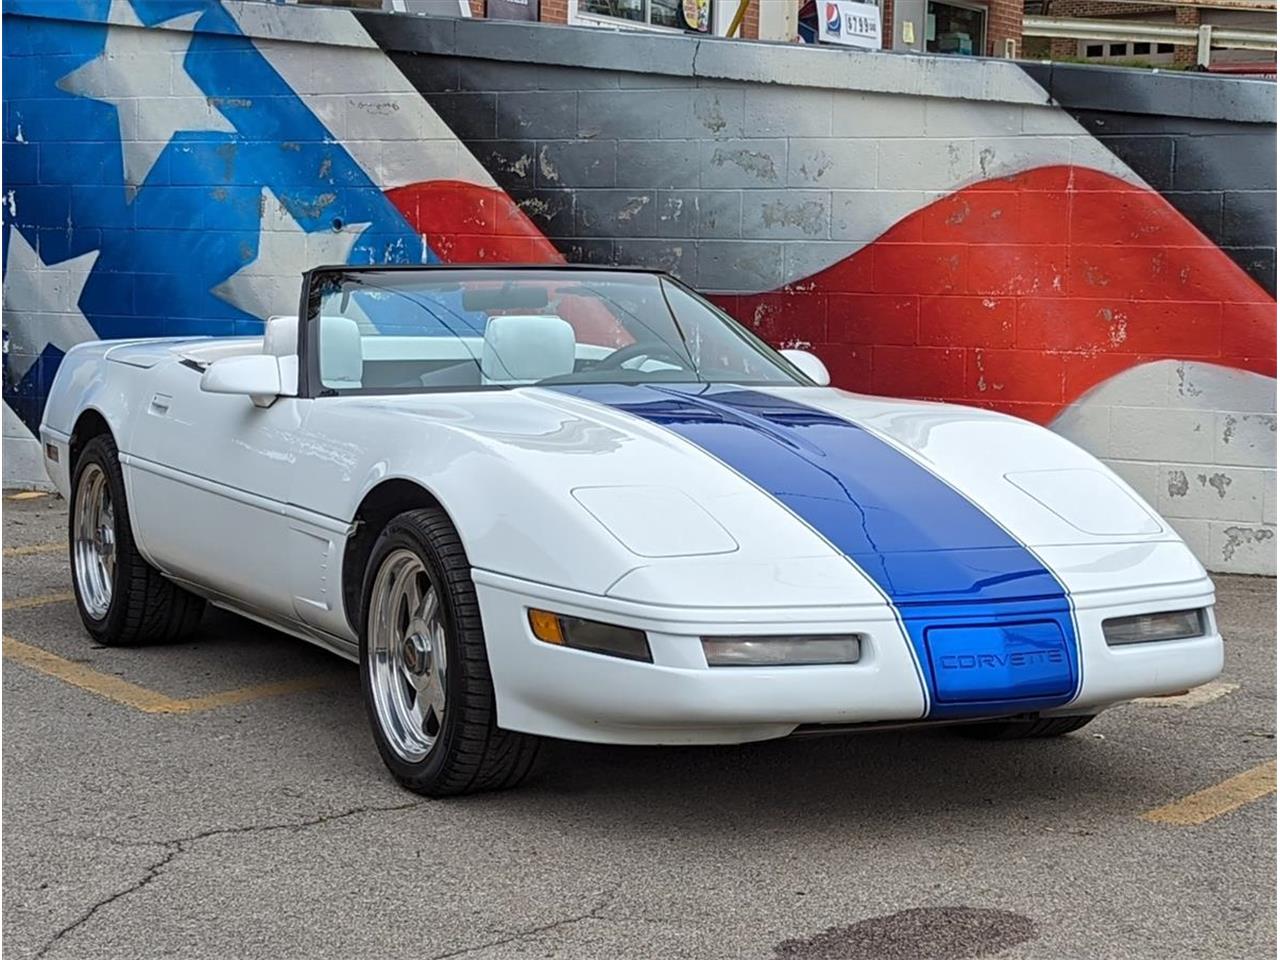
<point x="981" y="661"/>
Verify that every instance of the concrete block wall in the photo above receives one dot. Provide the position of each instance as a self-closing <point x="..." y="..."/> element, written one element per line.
<point x="1090" y="249"/>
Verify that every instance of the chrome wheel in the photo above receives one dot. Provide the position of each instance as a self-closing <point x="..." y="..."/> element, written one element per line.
<point x="407" y="660"/>
<point x="94" y="541"/>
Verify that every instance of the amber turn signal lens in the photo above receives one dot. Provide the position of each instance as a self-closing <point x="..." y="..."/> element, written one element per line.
<point x="589" y="635"/>
<point x="546" y="627"/>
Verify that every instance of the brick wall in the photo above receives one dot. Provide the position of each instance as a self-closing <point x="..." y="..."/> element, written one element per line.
<point x="751" y="21"/>
<point x="554" y="11"/>
<point x="1004" y="21"/>
<point x="1183" y="55"/>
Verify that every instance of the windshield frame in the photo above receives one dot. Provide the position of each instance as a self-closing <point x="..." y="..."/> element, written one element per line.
<point x="311" y="387"/>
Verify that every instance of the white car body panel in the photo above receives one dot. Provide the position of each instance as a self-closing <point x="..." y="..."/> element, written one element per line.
<point x="253" y="507"/>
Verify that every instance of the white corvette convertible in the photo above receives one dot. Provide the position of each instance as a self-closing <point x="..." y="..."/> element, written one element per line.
<point x="584" y="503"/>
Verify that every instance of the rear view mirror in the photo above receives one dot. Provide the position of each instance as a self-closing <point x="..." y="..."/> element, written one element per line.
<point x="256" y="377"/>
<point x="808" y="364"/>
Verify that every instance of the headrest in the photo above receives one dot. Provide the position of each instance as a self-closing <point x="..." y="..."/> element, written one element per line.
<point x="341" y="353"/>
<point x="522" y="349"/>
<point x="281" y="337"/>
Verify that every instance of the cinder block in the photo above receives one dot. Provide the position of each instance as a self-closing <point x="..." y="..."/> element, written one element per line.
<point x="1151" y="158"/>
<point x="1226" y="162"/>
<point x="739" y="266"/>
<point x="833" y="164"/>
<point x="1242" y="548"/>
<point x="863" y="215"/>
<point x="616" y="213"/>
<point x="677" y="258"/>
<point x="1195" y="534"/>
<point x="540" y="114"/>
<point x="863" y="115"/>
<point x="746" y="164"/>
<point x="1146" y="433"/>
<point x="707" y="214"/>
<point x="576" y="164"/>
<point x="713" y="112"/>
<point x="621" y="114"/>
<point x="925" y="164"/>
<point x="471" y="116"/>
<point x="964" y="118"/>
<point x="786" y="214"/>
<point x="511" y="163"/>
<point x="1002" y="156"/>
<point x="1248" y="217"/>
<point x="1245" y="439"/>
<point x="552" y="211"/>
<point x="1139" y="474"/>
<point x="1210" y="492"/>
<point x="658" y="163"/>
<point x="1089" y="426"/>
<point x="777" y="111"/>
<point x="1269" y="497"/>
<point x="804" y="259"/>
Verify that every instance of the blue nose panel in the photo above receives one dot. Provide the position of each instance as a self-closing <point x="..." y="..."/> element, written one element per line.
<point x="1006" y="663"/>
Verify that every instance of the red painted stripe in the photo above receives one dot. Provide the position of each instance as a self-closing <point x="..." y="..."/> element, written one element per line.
<point x="1021" y="294"/>
<point x="469" y="223"/>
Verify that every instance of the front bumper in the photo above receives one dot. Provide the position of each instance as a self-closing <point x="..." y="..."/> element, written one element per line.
<point x="574" y="695"/>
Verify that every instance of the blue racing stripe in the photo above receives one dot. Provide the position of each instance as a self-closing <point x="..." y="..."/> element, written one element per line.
<point x="990" y="626"/>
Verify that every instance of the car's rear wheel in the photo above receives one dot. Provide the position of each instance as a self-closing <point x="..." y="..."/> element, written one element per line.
<point x="425" y="668"/>
<point x="1022" y="729"/>
<point x="122" y="599"/>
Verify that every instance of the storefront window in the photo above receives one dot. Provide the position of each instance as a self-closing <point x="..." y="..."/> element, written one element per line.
<point x="955" y="28"/>
<point x="677" y="14"/>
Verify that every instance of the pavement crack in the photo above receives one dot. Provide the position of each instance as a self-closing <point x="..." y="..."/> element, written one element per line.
<point x="179" y="845"/>
<point x="153" y="871"/>
<point x="593" y="914"/>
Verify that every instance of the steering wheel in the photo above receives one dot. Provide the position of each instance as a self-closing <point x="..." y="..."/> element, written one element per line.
<point x="650" y="349"/>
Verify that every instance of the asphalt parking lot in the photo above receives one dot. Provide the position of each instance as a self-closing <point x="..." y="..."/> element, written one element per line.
<point x="224" y="798"/>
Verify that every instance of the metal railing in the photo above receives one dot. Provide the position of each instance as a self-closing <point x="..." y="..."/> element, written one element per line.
<point x="1203" y="37"/>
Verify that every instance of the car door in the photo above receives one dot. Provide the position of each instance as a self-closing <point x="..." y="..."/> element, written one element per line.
<point x="209" y="479"/>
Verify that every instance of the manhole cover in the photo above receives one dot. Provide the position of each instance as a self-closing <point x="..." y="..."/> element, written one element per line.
<point x="923" y="933"/>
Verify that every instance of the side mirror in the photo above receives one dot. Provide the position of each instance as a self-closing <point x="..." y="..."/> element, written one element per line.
<point x="809" y="365"/>
<point x="256" y="377"/>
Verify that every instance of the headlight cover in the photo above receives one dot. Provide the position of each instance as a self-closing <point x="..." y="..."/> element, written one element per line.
<point x="781" y="651"/>
<point x="1154" y="627"/>
<point x="590" y="635"/>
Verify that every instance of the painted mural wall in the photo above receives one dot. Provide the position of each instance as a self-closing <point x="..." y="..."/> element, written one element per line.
<point x="1093" y="250"/>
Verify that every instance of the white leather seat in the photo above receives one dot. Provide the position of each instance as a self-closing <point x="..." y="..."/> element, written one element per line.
<point x="526" y="348"/>
<point x="341" y="353"/>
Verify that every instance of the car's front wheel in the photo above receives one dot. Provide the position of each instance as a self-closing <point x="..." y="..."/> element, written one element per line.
<point x="122" y="599"/>
<point x="425" y="668"/>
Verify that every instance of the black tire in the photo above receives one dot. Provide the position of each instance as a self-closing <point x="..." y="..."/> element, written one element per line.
<point x="144" y="606"/>
<point x="1022" y="729"/>
<point x="471" y="753"/>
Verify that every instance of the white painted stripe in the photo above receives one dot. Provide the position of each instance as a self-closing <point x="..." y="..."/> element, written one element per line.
<point x="354" y="89"/>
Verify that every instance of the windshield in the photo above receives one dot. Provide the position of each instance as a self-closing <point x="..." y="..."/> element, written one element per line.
<point x="440" y="329"/>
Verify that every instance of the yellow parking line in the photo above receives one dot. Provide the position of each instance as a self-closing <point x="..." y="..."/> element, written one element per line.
<point x="25" y="603"/>
<point x="140" y="698"/>
<point x="1221" y="798"/>
<point x="86" y="678"/>
<point x="28" y="495"/>
<point x="229" y="698"/>
<point x="34" y="549"/>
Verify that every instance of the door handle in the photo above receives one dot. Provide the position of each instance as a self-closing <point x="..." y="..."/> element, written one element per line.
<point x="160" y="404"/>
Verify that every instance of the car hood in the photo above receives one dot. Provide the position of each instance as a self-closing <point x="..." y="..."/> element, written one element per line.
<point x="794" y="482"/>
